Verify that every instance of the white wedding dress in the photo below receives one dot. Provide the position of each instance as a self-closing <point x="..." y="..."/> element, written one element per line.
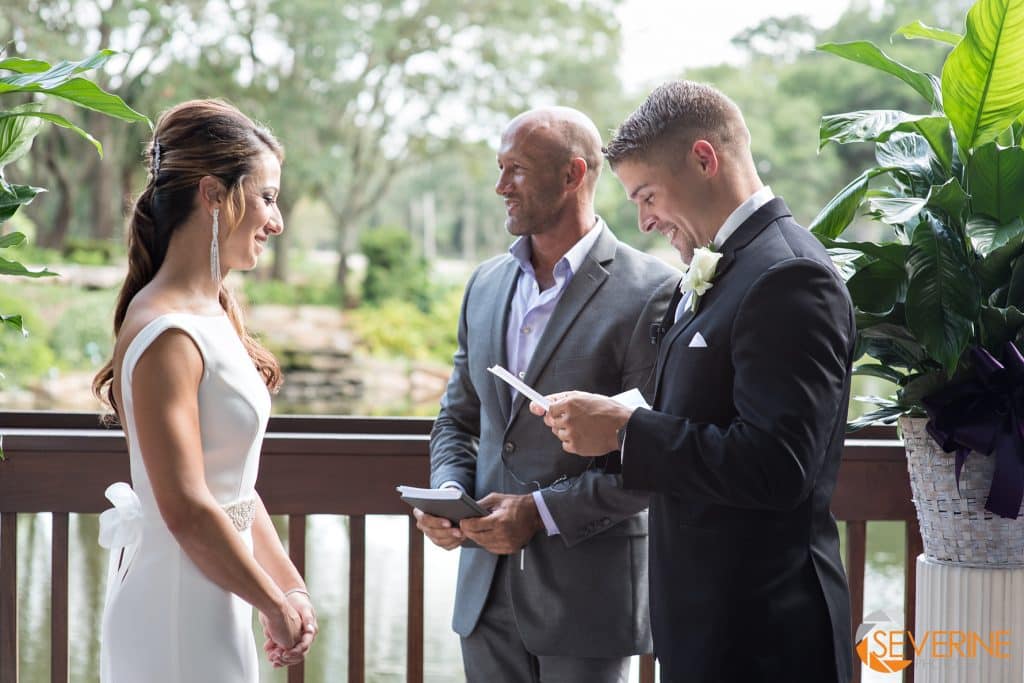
<point x="164" y="621"/>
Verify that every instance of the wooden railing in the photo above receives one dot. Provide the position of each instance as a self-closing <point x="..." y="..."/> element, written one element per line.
<point x="61" y="463"/>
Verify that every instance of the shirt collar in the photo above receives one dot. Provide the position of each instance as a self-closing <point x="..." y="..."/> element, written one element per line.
<point x="521" y="250"/>
<point x="742" y="213"/>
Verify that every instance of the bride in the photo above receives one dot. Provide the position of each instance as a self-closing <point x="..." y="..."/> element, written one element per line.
<point x="192" y="547"/>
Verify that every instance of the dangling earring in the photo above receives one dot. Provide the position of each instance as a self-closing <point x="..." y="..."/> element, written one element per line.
<point x="215" y="248"/>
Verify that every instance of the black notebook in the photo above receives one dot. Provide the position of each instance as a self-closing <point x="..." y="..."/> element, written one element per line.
<point x="451" y="503"/>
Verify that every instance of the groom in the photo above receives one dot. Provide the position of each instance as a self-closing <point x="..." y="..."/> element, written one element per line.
<point x="743" y="444"/>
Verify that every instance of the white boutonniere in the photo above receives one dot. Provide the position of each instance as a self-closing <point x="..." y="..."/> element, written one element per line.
<point x="698" y="274"/>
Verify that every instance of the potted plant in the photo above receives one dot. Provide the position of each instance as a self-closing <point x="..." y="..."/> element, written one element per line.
<point x="940" y="299"/>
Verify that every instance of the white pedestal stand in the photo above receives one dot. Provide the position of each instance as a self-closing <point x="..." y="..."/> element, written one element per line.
<point x="969" y="600"/>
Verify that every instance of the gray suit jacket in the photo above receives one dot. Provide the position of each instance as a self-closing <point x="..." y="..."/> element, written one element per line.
<point x="582" y="593"/>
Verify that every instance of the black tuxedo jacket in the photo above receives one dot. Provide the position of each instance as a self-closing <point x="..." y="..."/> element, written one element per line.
<point x="741" y="451"/>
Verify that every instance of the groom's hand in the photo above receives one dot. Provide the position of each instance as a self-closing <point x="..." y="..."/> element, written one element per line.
<point x="586" y="424"/>
<point x="513" y="521"/>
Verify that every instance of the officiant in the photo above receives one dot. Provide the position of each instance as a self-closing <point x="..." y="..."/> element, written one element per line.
<point x="555" y="586"/>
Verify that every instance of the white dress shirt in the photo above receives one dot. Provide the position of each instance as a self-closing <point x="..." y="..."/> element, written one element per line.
<point x="737" y="218"/>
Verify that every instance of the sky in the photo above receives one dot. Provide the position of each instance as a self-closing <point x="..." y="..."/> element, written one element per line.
<point x="662" y="37"/>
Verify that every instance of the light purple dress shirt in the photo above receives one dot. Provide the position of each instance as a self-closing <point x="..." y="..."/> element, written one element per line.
<point x="530" y="312"/>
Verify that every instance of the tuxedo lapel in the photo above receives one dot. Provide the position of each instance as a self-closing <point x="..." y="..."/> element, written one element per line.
<point x="666" y="344"/>
<point x="583" y="286"/>
<point x="497" y="351"/>
<point x="748" y="230"/>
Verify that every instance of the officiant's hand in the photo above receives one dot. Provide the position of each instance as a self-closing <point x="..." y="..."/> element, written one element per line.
<point x="513" y="521"/>
<point x="586" y="424"/>
<point x="439" y="530"/>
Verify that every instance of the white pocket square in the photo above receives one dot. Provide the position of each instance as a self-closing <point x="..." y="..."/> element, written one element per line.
<point x="698" y="342"/>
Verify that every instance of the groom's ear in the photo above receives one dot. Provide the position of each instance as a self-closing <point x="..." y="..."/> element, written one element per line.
<point x="706" y="157"/>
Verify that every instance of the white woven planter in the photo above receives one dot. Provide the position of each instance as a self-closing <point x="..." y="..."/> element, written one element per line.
<point x="955" y="526"/>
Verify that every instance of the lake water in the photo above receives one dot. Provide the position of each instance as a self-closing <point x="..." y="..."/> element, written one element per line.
<point x="327" y="576"/>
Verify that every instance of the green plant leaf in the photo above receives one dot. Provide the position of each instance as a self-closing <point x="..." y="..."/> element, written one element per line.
<point x="11" y="239"/>
<point x="995" y="175"/>
<point x="14" y="322"/>
<point x="918" y="29"/>
<point x="24" y="66"/>
<point x="897" y="211"/>
<point x="893" y="252"/>
<point x="17" y="134"/>
<point x="999" y="325"/>
<point x="911" y="155"/>
<point x="942" y="296"/>
<point x="880" y="371"/>
<point x="877" y="287"/>
<point x="1015" y="290"/>
<point x="1002" y="244"/>
<point x="868" y="54"/>
<point x="872" y="125"/>
<point x="988" y="235"/>
<point x="949" y="198"/>
<point x="883" y="415"/>
<point x="981" y="86"/>
<point x="15" y="268"/>
<point x="51" y="76"/>
<point x="55" y="119"/>
<point x="841" y="209"/>
<point x="12" y="197"/>
<point x="85" y="94"/>
<point x="916" y="387"/>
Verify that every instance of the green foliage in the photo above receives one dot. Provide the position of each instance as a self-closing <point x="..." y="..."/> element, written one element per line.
<point x="398" y="328"/>
<point x="393" y="270"/>
<point x="19" y="126"/>
<point x="25" y="353"/>
<point x="82" y="337"/>
<point x="944" y="278"/>
<point x="89" y="252"/>
<point x="259" y="292"/>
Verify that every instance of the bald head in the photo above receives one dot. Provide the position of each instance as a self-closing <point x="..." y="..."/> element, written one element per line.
<point x="563" y="134"/>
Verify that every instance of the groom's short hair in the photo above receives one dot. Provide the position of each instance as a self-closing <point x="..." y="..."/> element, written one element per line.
<point x="674" y="116"/>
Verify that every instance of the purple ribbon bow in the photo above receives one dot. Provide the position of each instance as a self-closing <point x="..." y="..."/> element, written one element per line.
<point x="984" y="414"/>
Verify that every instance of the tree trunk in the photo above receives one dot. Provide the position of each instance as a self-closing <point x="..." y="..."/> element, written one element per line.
<point x="102" y="191"/>
<point x="429" y="228"/>
<point x="279" y="270"/>
<point x="54" y="235"/>
<point x="469" y="228"/>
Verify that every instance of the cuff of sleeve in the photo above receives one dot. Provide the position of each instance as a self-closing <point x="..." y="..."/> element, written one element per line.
<point x="452" y="484"/>
<point x="545" y="514"/>
<point x="637" y="471"/>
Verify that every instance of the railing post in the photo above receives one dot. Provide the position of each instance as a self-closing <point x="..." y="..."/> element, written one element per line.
<point x="59" y="599"/>
<point x="8" y="597"/>
<point x="357" y="599"/>
<point x="414" y="626"/>
<point x="297" y="553"/>
<point x="646" y="668"/>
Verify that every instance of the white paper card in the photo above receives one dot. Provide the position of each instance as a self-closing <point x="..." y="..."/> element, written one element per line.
<point x="632" y="399"/>
<point x="520" y="386"/>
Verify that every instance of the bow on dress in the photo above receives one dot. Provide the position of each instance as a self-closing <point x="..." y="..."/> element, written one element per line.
<point x="120" y="528"/>
<point x="984" y="414"/>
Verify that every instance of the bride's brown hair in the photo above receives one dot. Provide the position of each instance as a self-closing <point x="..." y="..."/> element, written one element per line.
<point x="191" y="140"/>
